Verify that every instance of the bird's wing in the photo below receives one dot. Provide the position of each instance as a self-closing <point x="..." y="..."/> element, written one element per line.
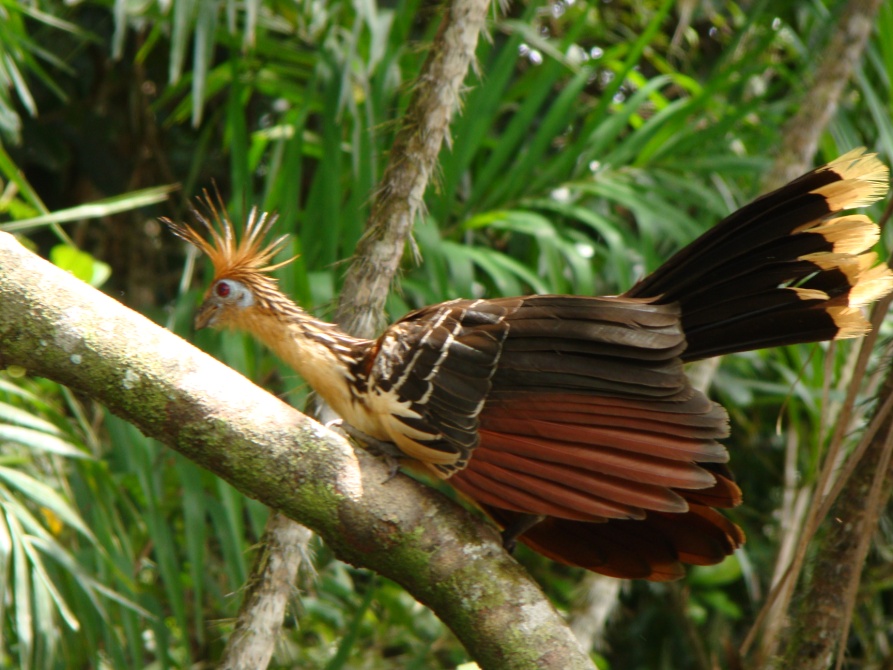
<point x="441" y="371"/>
<point x="430" y="375"/>
<point x="592" y="423"/>
<point x="590" y="415"/>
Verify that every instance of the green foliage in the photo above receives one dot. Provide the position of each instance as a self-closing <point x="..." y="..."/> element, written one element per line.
<point x="81" y="264"/>
<point x="25" y="58"/>
<point x="588" y="150"/>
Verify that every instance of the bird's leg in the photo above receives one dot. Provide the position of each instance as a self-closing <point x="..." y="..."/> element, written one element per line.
<point x="521" y="524"/>
<point x="388" y="451"/>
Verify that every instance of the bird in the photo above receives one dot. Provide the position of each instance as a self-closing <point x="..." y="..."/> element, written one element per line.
<point x="569" y="419"/>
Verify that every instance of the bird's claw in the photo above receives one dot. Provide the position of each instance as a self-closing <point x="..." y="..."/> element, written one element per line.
<point x="517" y="528"/>
<point x="393" y="467"/>
<point x="387" y="451"/>
<point x="337" y="426"/>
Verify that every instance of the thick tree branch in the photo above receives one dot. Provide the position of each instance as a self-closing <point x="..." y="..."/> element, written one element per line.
<point x="57" y="327"/>
<point x="825" y="604"/>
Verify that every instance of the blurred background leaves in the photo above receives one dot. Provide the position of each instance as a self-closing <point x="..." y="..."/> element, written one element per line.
<point x="597" y="138"/>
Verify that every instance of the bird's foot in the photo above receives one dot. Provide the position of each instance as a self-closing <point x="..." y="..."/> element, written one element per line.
<point x="521" y="524"/>
<point x="388" y="451"/>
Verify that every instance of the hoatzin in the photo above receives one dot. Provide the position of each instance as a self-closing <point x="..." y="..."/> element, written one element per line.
<point x="570" y="419"/>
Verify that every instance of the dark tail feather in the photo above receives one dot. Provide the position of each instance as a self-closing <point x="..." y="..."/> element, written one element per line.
<point x="653" y="548"/>
<point x="783" y="269"/>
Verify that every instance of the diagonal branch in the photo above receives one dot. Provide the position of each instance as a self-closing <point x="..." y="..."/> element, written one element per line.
<point x="57" y="327"/>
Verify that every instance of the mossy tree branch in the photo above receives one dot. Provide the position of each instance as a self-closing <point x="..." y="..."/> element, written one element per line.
<point x="59" y="328"/>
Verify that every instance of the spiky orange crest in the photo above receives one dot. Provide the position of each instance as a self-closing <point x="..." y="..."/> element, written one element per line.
<point x="244" y="259"/>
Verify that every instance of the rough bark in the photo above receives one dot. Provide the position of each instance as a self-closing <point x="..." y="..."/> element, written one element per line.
<point x="270" y="585"/>
<point x="59" y="328"/>
<point x="368" y="281"/>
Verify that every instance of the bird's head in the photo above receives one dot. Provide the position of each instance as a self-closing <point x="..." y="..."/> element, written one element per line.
<point x="242" y="285"/>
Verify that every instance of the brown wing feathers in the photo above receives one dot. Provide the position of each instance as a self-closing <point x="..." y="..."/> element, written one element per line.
<point x="590" y="420"/>
<point x="440" y="361"/>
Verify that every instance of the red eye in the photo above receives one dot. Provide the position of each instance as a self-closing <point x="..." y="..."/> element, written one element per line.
<point x="223" y="289"/>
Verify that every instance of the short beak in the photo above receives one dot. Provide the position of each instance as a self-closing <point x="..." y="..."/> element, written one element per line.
<point x="205" y="315"/>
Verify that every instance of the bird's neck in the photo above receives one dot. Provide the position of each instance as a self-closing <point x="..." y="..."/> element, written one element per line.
<point x="323" y="354"/>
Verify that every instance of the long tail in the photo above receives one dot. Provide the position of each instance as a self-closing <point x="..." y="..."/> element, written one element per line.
<point x="783" y="269"/>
